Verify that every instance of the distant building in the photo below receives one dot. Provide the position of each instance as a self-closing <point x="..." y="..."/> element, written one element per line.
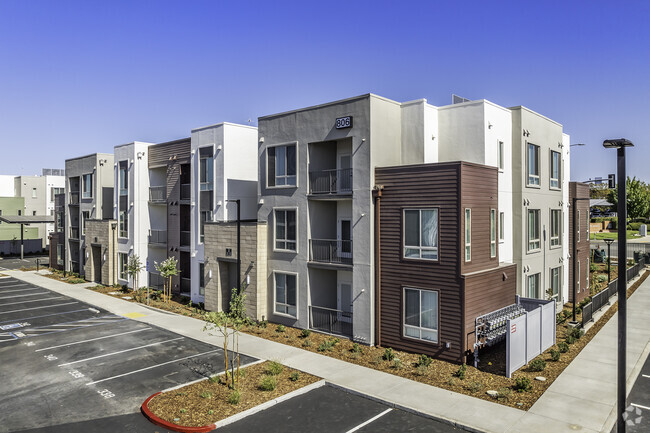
<point x="10" y="233"/>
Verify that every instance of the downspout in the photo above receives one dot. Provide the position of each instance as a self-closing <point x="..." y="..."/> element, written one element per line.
<point x="376" y="193"/>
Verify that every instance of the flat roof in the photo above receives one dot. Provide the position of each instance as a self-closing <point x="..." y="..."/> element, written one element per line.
<point x="27" y="219"/>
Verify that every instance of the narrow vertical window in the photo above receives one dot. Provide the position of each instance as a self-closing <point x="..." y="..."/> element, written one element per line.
<point x="502" y="226"/>
<point x="556" y="227"/>
<point x="493" y="233"/>
<point x="533" y="230"/>
<point x="124" y="178"/>
<point x="533" y="164"/>
<point x="285" y="230"/>
<point x="285" y="294"/>
<point x="578" y="227"/>
<point x="468" y="235"/>
<point x="87" y="186"/>
<point x="533" y="286"/>
<point x="201" y="279"/>
<point x="500" y="154"/>
<point x="556" y="169"/>
<point x="577" y="277"/>
<point x="123" y="224"/>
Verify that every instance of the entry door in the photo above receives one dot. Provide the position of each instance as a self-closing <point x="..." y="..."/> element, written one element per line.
<point x="344" y="178"/>
<point x="344" y="301"/>
<point x="97" y="264"/>
<point x="344" y="238"/>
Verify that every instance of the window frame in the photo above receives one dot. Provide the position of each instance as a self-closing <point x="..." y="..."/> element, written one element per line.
<point x="559" y="171"/>
<point x="208" y="175"/>
<point x="84" y="193"/>
<point x="556" y="295"/>
<point x="538" y="280"/>
<point x="535" y="175"/>
<point x="201" y="278"/>
<point x="578" y="226"/>
<point x="558" y="243"/>
<point x="420" y="328"/>
<point x="420" y="248"/>
<point x="83" y="221"/>
<point x="122" y="273"/>
<point x="285" y="176"/>
<point x="275" y="295"/>
<point x="530" y="240"/>
<point x="502" y="224"/>
<point x="123" y="224"/>
<point x="468" y="234"/>
<point x="493" y="233"/>
<point x="123" y="178"/>
<point x="202" y="224"/>
<point x="275" y="230"/>
<point x="578" y="277"/>
<point x="500" y="156"/>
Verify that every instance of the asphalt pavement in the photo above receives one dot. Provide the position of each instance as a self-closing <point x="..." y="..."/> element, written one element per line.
<point x="7" y="263"/>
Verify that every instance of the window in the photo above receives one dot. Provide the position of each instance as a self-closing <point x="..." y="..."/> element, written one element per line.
<point x="54" y="191"/>
<point x="533" y="230"/>
<point x="502" y="226"/>
<point x="421" y="234"/>
<point x="201" y="279"/>
<point x="59" y="221"/>
<point x="20" y="212"/>
<point x="206" y="215"/>
<point x="556" y="227"/>
<point x="556" y="169"/>
<point x="85" y="215"/>
<point x="281" y="165"/>
<point x="59" y="254"/>
<point x="123" y="261"/>
<point x="285" y="294"/>
<point x="493" y="233"/>
<point x="206" y="169"/>
<point x="533" y="164"/>
<point x="587" y="225"/>
<point x="578" y="277"/>
<point x="33" y="213"/>
<point x="421" y="314"/>
<point x="33" y="192"/>
<point x="556" y="282"/>
<point x="578" y="227"/>
<point x="533" y="286"/>
<point x="124" y="224"/>
<point x="124" y="178"/>
<point x="500" y="154"/>
<point x="87" y="186"/>
<point x="468" y="235"/>
<point x="285" y="230"/>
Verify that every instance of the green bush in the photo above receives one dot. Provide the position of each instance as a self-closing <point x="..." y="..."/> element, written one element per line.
<point x="306" y="343"/>
<point x="389" y="354"/>
<point x="503" y="393"/>
<point x="475" y="386"/>
<point x="566" y="313"/>
<point x="593" y="267"/>
<point x="570" y="339"/>
<point x="274" y="368"/>
<point x="268" y="383"/>
<point x="305" y="333"/>
<point x="397" y="363"/>
<point x="601" y="278"/>
<point x="537" y="365"/>
<point x="523" y="384"/>
<point x="461" y="372"/>
<point x="356" y="348"/>
<point x="263" y="324"/>
<point x="327" y="345"/>
<point x="424" y="360"/>
<point x="576" y="333"/>
<point x="555" y="355"/>
<point x="634" y="226"/>
<point x="421" y="370"/>
<point x="280" y="328"/>
<point x="294" y="376"/>
<point x="234" y="397"/>
<point x="205" y="394"/>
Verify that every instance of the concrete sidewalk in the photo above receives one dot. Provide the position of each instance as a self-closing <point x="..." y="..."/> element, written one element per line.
<point x="581" y="399"/>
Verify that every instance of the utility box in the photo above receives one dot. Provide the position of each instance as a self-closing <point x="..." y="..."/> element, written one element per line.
<point x="643" y="230"/>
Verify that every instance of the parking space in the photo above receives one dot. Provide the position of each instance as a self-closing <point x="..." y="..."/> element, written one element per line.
<point x="638" y="410"/>
<point x="7" y="263"/>
<point x="65" y="363"/>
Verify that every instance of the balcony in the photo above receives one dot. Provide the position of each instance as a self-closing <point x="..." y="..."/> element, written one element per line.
<point x="158" y="195"/>
<point x="74" y="233"/>
<point x="338" y="252"/>
<point x="74" y="198"/>
<point x="186" y="192"/>
<point x="331" y="182"/>
<point x="330" y="320"/>
<point x="158" y="237"/>
<point x="74" y="266"/>
<point x="186" y="285"/>
<point x="186" y="238"/>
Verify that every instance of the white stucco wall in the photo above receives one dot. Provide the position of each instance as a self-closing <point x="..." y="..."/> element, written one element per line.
<point x="566" y="208"/>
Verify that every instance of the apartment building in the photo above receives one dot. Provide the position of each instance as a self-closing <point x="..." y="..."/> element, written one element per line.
<point x="579" y="220"/>
<point x="57" y="237"/>
<point x="10" y="233"/>
<point x="224" y="177"/>
<point x="89" y="196"/>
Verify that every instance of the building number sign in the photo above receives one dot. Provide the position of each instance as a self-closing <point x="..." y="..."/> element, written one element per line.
<point x="344" y="122"/>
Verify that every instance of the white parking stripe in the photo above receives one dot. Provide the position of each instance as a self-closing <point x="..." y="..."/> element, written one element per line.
<point x="92" y="339"/>
<point x="21" y="290"/>
<point x="12" y="285"/>
<point x="153" y="366"/>
<point x="640" y="407"/>
<point x="23" y="296"/>
<point x="44" y="315"/>
<point x="34" y="300"/>
<point x="369" y="421"/>
<point x="121" y="351"/>
<point x="646" y="376"/>
<point x="38" y="308"/>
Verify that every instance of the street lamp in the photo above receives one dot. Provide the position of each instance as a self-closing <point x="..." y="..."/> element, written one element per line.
<point x="620" y="144"/>
<point x="609" y="261"/>
<point x="576" y="144"/>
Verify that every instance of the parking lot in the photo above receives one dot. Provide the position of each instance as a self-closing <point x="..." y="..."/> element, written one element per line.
<point x="638" y="410"/>
<point x="7" y="263"/>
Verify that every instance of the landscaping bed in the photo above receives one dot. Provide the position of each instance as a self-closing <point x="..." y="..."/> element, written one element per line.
<point x="69" y="277"/>
<point x="206" y="402"/>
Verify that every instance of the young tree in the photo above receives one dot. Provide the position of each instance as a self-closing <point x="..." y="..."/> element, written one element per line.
<point x="133" y="269"/>
<point x="638" y="198"/>
<point x="167" y="269"/>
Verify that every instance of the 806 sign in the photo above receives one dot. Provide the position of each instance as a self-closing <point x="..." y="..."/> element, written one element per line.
<point x="344" y="122"/>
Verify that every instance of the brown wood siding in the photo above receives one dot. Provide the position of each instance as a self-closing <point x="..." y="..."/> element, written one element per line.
<point x="479" y="192"/>
<point x="580" y="190"/>
<point x="485" y="292"/>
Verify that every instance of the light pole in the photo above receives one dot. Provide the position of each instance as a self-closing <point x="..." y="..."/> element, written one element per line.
<point x="609" y="261"/>
<point x="620" y="144"/>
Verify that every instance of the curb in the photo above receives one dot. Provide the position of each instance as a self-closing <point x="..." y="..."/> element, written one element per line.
<point x="231" y="419"/>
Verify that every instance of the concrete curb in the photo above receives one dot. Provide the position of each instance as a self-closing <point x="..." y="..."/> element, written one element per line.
<point x="231" y="419"/>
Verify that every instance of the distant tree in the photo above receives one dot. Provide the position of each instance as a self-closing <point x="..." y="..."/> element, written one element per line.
<point x="638" y="198"/>
<point x="598" y="190"/>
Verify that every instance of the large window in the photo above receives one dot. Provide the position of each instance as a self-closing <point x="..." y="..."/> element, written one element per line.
<point x="124" y="178"/>
<point x="85" y="215"/>
<point x="285" y="294"/>
<point x="556" y="282"/>
<point x="206" y="171"/>
<point x="421" y="234"/>
<point x="556" y="227"/>
<point x="493" y="233"/>
<point x="468" y="235"/>
<point x="421" y="314"/>
<point x="123" y="224"/>
<point x="533" y="164"/>
<point x="533" y="230"/>
<point x="285" y="229"/>
<point x="201" y="279"/>
<point x="87" y="186"/>
<point x="556" y="169"/>
<point x="123" y="262"/>
<point x="533" y="286"/>
<point x="502" y="226"/>
<point x="281" y="165"/>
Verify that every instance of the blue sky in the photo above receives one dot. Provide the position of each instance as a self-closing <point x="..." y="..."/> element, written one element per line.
<point x="78" y="77"/>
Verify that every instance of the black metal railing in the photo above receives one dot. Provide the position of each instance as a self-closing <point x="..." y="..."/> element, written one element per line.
<point x="186" y="238"/>
<point x="330" y="251"/>
<point x="330" y="181"/>
<point x="74" y="232"/>
<point x="158" y="194"/>
<point x="330" y="320"/>
<point x="186" y="285"/>
<point x="186" y="191"/>
<point x="158" y="237"/>
<point x="74" y="197"/>
<point x="156" y="281"/>
<point x="74" y="266"/>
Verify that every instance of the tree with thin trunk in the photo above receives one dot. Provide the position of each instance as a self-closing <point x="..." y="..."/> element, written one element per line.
<point x="133" y="269"/>
<point x="167" y="269"/>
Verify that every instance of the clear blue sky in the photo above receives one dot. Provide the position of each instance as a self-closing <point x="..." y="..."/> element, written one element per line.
<point x="79" y="77"/>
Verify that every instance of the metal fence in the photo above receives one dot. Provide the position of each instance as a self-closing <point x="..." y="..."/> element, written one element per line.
<point x="186" y="191"/>
<point x="330" y="251"/>
<point x="186" y="238"/>
<point x="74" y="197"/>
<point x="156" y="281"/>
<point x="158" y="237"/>
<point x="330" y="320"/>
<point x="157" y="194"/>
<point x="630" y="248"/>
<point x="330" y="181"/>
<point x="602" y="298"/>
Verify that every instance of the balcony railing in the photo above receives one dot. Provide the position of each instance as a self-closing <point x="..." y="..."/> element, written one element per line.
<point x="74" y="266"/>
<point x="74" y="232"/>
<point x="330" y="181"/>
<point x="156" y="281"/>
<point x="330" y="251"/>
<point x="158" y="194"/>
<point x="74" y="197"/>
<point x="186" y="238"/>
<point x="330" y="320"/>
<point x="158" y="237"/>
<point x="186" y="191"/>
<point x="186" y="285"/>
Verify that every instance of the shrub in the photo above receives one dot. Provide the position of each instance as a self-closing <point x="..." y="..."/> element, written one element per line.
<point x="593" y="267"/>
<point x="452" y="381"/>
<point x="397" y="363"/>
<point x="325" y="346"/>
<point x="268" y="383"/>
<point x="205" y="394"/>
<point x="537" y="365"/>
<point x="566" y="313"/>
<point x="280" y="328"/>
<point x="215" y="379"/>
<point x="576" y="333"/>
<point x="294" y="376"/>
<point x="601" y="279"/>
<point x="183" y="410"/>
<point x="389" y="354"/>
<point x="234" y="397"/>
<point x="274" y="368"/>
<point x="570" y="339"/>
<point x="424" y="360"/>
<point x="475" y="386"/>
<point x="421" y="370"/>
<point x="306" y="343"/>
<point x="523" y="384"/>
<point x="503" y="393"/>
<point x="305" y="333"/>
<point x="555" y="355"/>
<point x="461" y="372"/>
<point x="356" y="348"/>
<point x="563" y="347"/>
<point x="263" y="324"/>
